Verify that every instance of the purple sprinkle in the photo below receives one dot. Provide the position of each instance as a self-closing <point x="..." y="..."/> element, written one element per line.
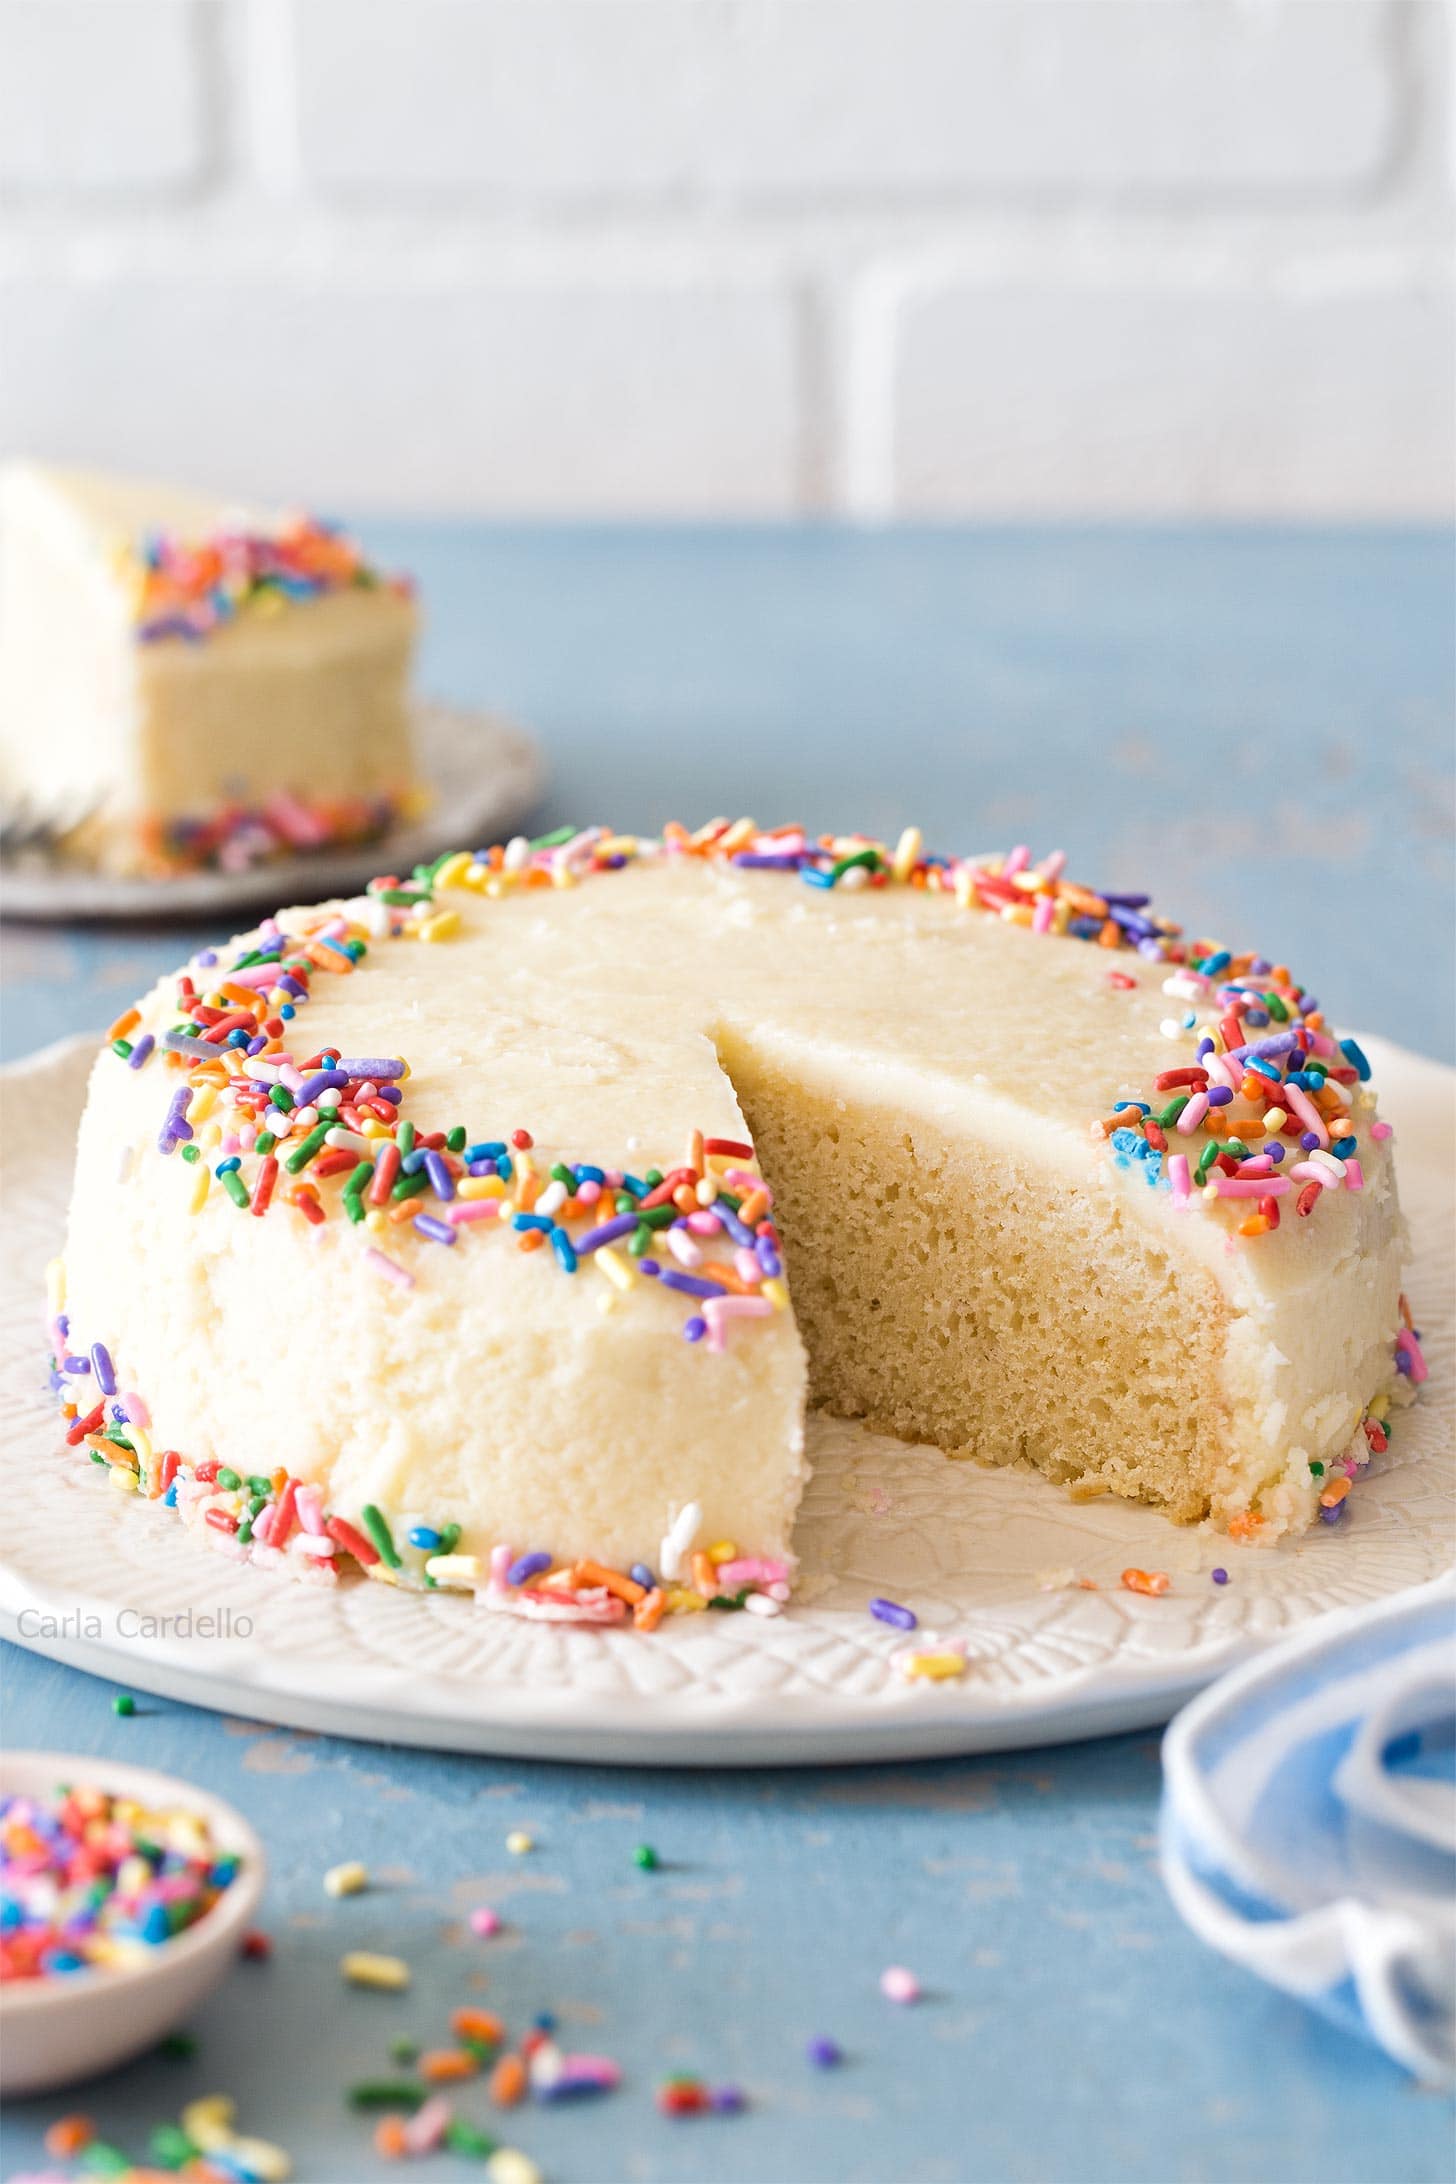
<point x="105" y="1370"/>
<point x="182" y="1042"/>
<point x="1220" y="1577"/>
<point x="650" y="1267"/>
<point x="689" y="1285"/>
<point x="1309" y="1141"/>
<point x="390" y="1092"/>
<point x="641" y="1575"/>
<point x="740" y="1232"/>
<point x="728" y="2100"/>
<point x="140" y="1051"/>
<point x="379" y="1067"/>
<point x="1219" y="1095"/>
<point x="1276" y="1154"/>
<point x="749" y="860"/>
<point x="76" y="1366"/>
<point x="606" y="1234"/>
<point x="324" y="1080"/>
<point x="207" y="957"/>
<point x="769" y="1260"/>
<point x="439" y="1232"/>
<point x="694" y="1329"/>
<point x="824" y="2053"/>
<point x="525" y="1567"/>
<point x="890" y="1611"/>
<point x="1332" y="1513"/>
<point x="293" y="986"/>
<point x="442" y="1183"/>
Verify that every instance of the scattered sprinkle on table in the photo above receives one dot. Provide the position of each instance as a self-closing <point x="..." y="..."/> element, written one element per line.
<point x="362" y="1968"/>
<point x="348" y="1879"/>
<point x="484" y="1921"/>
<point x="518" y="1842"/>
<point x="1153" y="1583"/>
<point x="646" y="1857"/>
<point x="890" y="1611"/>
<point x="824" y="2053"/>
<point x="899" y="1985"/>
<point x="123" y="1704"/>
<point x="1220" y="1577"/>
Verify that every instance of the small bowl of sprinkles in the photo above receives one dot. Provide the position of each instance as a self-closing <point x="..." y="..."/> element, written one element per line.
<point x="124" y="1899"/>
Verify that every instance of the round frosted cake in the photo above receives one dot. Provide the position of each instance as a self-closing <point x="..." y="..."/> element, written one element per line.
<point x="491" y="1230"/>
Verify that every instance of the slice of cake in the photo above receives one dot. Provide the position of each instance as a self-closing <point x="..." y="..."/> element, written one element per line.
<point x="489" y="1228"/>
<point x="184" y="685"/>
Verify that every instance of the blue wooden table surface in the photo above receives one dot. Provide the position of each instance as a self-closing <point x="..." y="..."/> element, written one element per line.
<point x="1259" y="727"/>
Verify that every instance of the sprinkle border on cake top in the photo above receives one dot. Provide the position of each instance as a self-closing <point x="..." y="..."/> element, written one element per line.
<point x="326" y="1134"/>
<point x="190" y="587"/>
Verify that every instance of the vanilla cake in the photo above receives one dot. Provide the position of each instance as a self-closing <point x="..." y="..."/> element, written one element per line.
<point x="494" y="1228"/>
<point x="183" y="684"/>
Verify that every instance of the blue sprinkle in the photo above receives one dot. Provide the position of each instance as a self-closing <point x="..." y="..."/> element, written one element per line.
<point x="641" y="1575"/>
<point x="1343" y="1147"/>
<point x="542" y="1221"/>
<point x="425" y="1537"/>
<point x="1355" y="1056"/>
<point x="562" y="1246"/>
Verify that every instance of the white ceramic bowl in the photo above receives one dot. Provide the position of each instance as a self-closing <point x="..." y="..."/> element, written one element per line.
<point x="56" y="2030"/>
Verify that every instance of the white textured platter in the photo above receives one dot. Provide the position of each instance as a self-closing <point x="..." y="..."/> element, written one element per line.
<point x="483" y="776"/>
<point x="86" y="1574"/>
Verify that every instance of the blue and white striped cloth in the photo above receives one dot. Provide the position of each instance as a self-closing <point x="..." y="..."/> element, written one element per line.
<point x="1309" y="1822"/>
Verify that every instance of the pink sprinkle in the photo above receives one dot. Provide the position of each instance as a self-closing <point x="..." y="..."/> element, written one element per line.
<point x="1044" y="914"/>
<point x="485" y="1922"/>
<point x="391" y="1269"/>
<point x="588" y="1193"/>
<point x="427" y="2126"/>
<point x="136" y="1410"/>
<point x="752" y="1570"/>
<point x="1178" y="1177"/>
<point x="1407" y="1347"/>
<point x="1307" y="1112"/>
<point x="1193" y="1114"/>
<point x="1380" y="1131"/>
<point x="899" y="1985"/>
<point x="1354" y="1175"/>
<point x="309" y="1503"/>
<point x="473" y="1209"/>
<point x="704" y="1224"/>
<point x="1254" y="1186"/>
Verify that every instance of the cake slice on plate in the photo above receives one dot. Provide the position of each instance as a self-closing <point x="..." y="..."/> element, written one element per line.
<point x="184" y="684"/>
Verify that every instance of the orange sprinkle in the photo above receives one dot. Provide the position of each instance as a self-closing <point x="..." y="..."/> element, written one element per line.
<point x="1152" y="1582"/>
<point x="1334" y="1493"/>
<point x="648" y="1612"/>
<point x="597" y="1573"/>
<point x="473" y="2024"/>
<point x="68" y="2134"/>
<point x="530" y="1239"/>
<point x="507" y="2082"/>
<point x="705" y="1576"/>
<point x="389" y="2138"/>
<point x="126" y="1022"/>
<point x="753" y="1209"/>
<point x="441" y="2065"/>
<point x="1245" y="1524"/>
<point x="1255" y="1224"/>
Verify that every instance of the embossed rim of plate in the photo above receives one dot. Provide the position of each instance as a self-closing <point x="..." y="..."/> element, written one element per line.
<point x="484" y="774"/>
<point x="816" y="1685"/>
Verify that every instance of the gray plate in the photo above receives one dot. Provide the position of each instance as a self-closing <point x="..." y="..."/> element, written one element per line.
<point x="484" y="776"/>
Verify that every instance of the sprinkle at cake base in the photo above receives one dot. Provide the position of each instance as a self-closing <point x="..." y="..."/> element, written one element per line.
<point x="504" y="1261"/>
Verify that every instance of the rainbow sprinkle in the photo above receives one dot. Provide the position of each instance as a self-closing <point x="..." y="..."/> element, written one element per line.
<point x="89" y="1881"/>
<point x="189" y="587"/>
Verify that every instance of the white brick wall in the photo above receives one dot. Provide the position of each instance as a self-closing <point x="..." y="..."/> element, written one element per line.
<point x="1054" y="257"/>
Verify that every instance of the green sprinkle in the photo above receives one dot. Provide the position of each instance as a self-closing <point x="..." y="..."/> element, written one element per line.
<point x="1237" y="1147"/>
<point x="402" y="897"/>
<point x="264" y="1142"/>
<point x="646" y="1857"/>
<point x="386" y="2093"/>
<point x="465" y="2138"/>
<point x="554" y="841"/>
<point x="404" y="1138"/>
<point x="190" y="1154"/>
<point x="304" y="1152"/>
<point x="1276" y="1008"/>
<point x="639" y="1242"/>
<point x="410" y="1186"/>
<point x="449" y="1539"/>
<point x="658" y="1217"/>
<point x="280" y="1096"/>
<point x="870" y="858"/>
<point x="100" y="2159"/>
<point x="455" y="1139"/>
<point x="560" y="1173"/>
<point x="123" y="1704"/>
<point x="361" y="1175"/>
<point x="122" y="1047"/>
<point x="235" y="1187"/>
<point x="1207" y="1158"/>
<point x="228" y="1478"/>
<point x="170" y="2144"/>
<point x="244" y="1531"/>
<point x="257" y="1484"/>
<point x="404" y="2049"/>
<point x="378" y="1530"/>
<point x="1318" y="1470"/>
<point x="1172" y="1111"/>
